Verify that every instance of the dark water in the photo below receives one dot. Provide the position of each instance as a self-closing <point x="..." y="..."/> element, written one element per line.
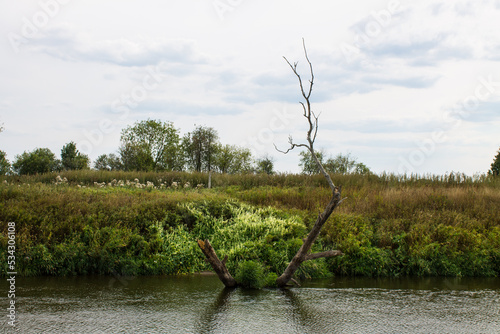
<point x="200" y="304"/>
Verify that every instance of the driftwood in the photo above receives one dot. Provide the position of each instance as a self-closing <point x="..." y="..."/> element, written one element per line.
<point x="303" y="253"/>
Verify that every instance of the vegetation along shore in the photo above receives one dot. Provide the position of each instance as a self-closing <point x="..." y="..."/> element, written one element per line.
<point x="147" y="223"/>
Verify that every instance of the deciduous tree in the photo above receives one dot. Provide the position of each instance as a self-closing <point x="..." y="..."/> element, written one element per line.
<point x="4" y="163"/>
<point x="265" y="165"/>
<point x="151" y="145"/>
<point x="40" y="160"/>
<point x="200" y="147"/>
<point x="495" y="166"/>
<point x="232" y="159"/>
<point x="72" y="159"/>
<point x="108" y="162"/>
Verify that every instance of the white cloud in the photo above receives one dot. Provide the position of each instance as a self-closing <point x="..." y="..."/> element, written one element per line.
<point x="393" y="89"/>
<point x="64" y="43"/>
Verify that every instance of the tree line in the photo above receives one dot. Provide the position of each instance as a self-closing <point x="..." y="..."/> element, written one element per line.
<point x="150" y="145"/>
<point x="153" y="145"/>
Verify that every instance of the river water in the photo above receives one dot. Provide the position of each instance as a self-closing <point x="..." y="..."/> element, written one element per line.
<point x="200" y="304"/>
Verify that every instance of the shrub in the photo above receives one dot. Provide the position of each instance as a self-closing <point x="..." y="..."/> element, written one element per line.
<point x="250" y="275"/>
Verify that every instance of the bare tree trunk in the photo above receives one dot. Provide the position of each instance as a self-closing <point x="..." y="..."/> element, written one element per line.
<point x="302" y="255"/>
<point x="218" y="265"/>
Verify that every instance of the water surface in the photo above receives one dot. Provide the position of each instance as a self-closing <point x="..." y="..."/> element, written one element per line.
<point x="200" y="304"/>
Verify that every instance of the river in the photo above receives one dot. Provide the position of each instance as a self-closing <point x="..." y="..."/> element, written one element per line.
<point x="200" y="304"/>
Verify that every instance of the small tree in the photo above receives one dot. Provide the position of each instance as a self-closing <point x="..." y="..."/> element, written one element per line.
<point x="108" y="162"/>
<point x="72" y="159"/>
<point x="4" y="164"/>
<point x="265" y="165"/>
<point x="41" y="160"/>
<point x="232" y="159"/>
<point x="308" y="164"/>
<point x="200" y="148"/>
<point x="495" y="166"/>
<point x="345" y="164"/>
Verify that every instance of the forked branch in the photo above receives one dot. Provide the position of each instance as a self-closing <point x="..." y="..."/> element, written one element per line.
<point x="303" y="253"/>
<point x="311" y="117"/>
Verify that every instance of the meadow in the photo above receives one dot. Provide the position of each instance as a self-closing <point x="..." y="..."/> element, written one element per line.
<point x="146" y="223"/>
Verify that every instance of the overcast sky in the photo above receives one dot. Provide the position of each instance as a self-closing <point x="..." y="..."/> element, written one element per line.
<point x="404" y="86"/>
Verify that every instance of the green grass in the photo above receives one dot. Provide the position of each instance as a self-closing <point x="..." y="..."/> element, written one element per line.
<point x="388" y="225"/>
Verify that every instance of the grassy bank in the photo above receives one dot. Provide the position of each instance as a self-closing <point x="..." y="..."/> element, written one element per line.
<point x="92" y="222"/>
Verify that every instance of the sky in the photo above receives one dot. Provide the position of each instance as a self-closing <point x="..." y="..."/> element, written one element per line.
<point x="402" y="86"/>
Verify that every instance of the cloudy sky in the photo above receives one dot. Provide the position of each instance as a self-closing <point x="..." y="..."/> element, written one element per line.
<point x="404" y="86"/>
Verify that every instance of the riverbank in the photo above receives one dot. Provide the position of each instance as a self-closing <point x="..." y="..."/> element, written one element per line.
<point x="80" y="223"/>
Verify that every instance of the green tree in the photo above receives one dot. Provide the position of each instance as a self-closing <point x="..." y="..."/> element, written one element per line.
<point x="108" y="162"/>
<point x="136" y="157"/>
<point x="341" y="164"/>
<point x="232" y="159"/>
<point x="200" y="148"/>
<point x="495" y="166"/>
<point x="265" y="165"/>
<point x="151" y="145"/>
<point x="72" y="159"/>
<point x="41" y="160"/>
<point x="308" y="164"/>
<point x="4" y="164"/>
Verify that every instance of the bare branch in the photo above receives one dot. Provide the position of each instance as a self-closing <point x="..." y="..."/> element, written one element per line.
<point x="310" y="68"/>
<point x="323" y="254"/>
<point x="292" y="146"/>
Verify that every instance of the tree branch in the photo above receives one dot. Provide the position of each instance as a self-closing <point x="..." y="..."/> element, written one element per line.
<point x="329" y="253"/>
<point x="218" y="265"/>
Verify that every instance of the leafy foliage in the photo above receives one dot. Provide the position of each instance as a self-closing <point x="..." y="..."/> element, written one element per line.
<point x="388" y="226"/>
<point x="4" y="164"/>
<point x="341" y="164"/>
<point x="200" y="148"/>
<point x="233" y="159"/>
<point x="40" y="160"/>
<point x="495" y="166"/>
<point x="72" y="159"/>
<point x="108" y="162"/>
<point x="250" y="275"/>
<point x="265" y="165"/>
<point x="151" y="145"/>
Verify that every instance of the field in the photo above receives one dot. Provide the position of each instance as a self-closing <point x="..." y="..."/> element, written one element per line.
<point x="119" y="223"/>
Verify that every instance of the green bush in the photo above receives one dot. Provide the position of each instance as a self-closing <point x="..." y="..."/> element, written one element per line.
<point x="250" y="275"/>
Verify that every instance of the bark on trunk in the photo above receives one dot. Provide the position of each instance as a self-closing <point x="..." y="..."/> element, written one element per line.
<point x="302" y="255"/>
<point x="218" y="265"/>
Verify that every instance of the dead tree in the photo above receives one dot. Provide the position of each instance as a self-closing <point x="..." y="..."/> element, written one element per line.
<point x="218" y="266"/>
<point x="303" y="253"/>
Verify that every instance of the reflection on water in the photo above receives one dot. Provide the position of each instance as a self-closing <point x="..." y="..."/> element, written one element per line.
<point x="200" y="304"/>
